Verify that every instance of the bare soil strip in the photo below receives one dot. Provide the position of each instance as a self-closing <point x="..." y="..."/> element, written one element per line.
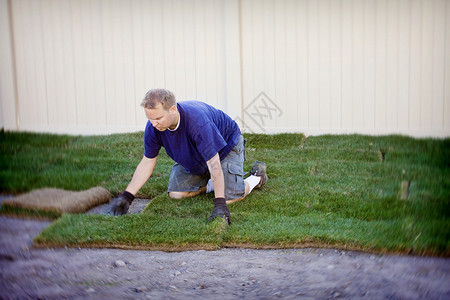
<point x="228" y="273"/>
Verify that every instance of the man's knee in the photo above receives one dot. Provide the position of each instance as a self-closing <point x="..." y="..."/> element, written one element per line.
<point x="177" y="195"/>
<point x="180" y="195"/>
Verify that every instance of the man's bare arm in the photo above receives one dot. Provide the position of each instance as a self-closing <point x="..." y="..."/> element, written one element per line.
<point x="143" y="172"/>
<point x="217" y="179"/>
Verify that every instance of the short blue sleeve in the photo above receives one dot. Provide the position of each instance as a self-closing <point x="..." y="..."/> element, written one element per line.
<point x="152" y="143"/>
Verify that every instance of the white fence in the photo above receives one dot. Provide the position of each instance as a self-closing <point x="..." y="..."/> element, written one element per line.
<point x="313" y="66"/>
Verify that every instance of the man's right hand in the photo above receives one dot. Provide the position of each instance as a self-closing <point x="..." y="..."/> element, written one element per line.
<point x="121" y="204"/>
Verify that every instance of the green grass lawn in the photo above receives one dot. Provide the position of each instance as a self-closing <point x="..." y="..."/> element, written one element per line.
<point x="341" y="191"/>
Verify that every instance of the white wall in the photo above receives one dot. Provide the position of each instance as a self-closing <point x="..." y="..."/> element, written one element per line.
<point x="83" y="66"/>
<point x="8" y="101"/>
<point x="313" y="66"/>
<point x="361" y="66"/>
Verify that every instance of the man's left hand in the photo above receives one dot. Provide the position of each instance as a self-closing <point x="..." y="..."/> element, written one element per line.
<point x="220" y="210"/>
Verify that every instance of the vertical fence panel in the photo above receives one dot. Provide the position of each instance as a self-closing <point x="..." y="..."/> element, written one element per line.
<point x="109" y="62"/>
<point x="438" y="67"/>
<point x="67" y="111"/>
<point x="129" y="106"/>
<point x="8" y="97"/>
<point x="404" y="54"/>
<point x="170" y="49"/>
<point x="291" y="101"/>
<point x="347" y="66"/>
<point x="426" y="97"/>
<point x="446" y="63"/>
<point x="253" y="49"/>
<point x="415" y="65"/>
<point x="369" y="65"/>
<point x="324" y="64"/>
<point x="313" y="65"/>
<point x="179" y="44"/>
<point x="232" y="59"/>
<point x="200" y="48"/>
<point x="212" y="42"/>
<point x="96" y="90"/>
<point x="38" y="81"/>
<point x="280" y="61"/>
<point x="190" y="51"/>
<point x="302" y="64"/>
<point x="82" y="77"/>
<point x="141" y="45"/>
<point x="392" y="58"/>
<point x="380" y="65"/>
<point x="358" y="64"/>
<point x="24" y="66"/>
<point x="246" y="50"/>
<point x="335" y="70"/>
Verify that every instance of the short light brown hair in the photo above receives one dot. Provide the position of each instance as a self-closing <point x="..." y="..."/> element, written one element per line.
<point x="155" y="96"/>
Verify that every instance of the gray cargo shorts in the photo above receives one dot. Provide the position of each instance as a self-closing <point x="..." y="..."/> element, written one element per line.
<point x="233" y="172"/>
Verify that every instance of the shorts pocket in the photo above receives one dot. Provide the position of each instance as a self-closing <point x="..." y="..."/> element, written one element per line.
<point x="236" y="169"/>
<point x="234" y="181"/>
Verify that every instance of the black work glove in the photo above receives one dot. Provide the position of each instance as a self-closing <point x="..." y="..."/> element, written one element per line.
<point x="121" y="204"/>
<point x="220" y="210"/>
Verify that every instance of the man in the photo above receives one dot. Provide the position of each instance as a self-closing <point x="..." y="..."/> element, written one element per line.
<point x="208" y="150"/>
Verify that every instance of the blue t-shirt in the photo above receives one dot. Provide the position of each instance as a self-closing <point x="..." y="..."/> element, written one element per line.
<point x="203" y="131"/>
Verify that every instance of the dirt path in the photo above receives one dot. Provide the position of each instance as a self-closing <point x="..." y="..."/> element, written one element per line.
<point x="227" y="273"/>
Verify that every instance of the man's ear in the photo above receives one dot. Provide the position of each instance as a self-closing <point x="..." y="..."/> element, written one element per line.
<point x="173" y="109"/>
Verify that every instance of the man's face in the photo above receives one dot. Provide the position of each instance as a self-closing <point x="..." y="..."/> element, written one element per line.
<point x="162" y="119"/>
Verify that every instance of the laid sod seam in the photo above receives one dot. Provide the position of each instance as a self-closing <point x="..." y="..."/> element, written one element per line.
<point x="326" y="191"/>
